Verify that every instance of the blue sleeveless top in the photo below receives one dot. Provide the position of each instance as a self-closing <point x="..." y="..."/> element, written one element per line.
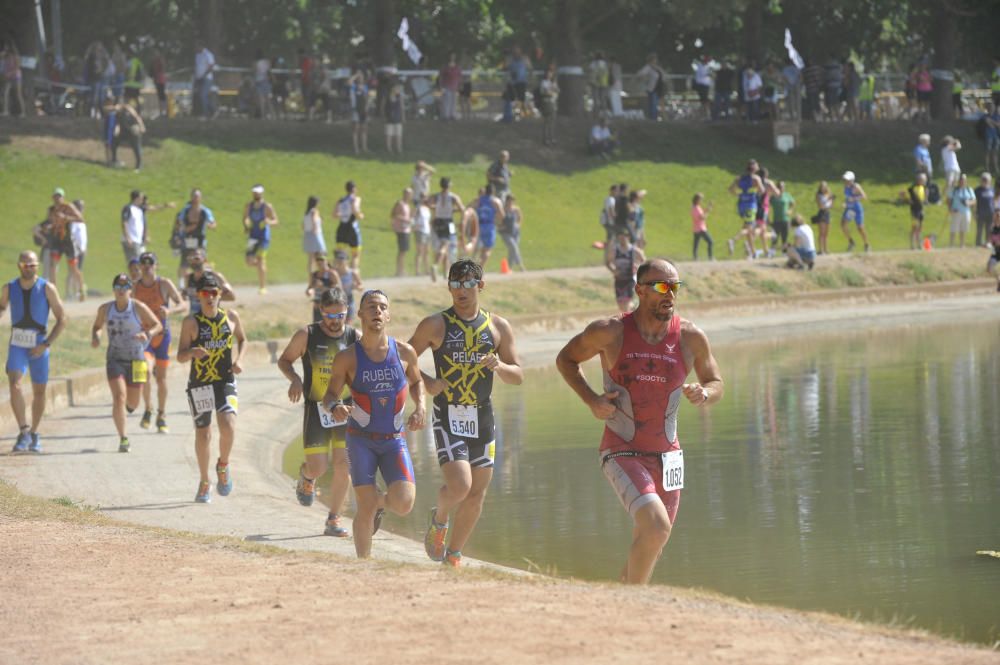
<point x="259" y="228"/>
<point x="379" y="391"/>
<point x="747" y="199"/>
<point x="485" y="210"/>
<point x="35" y="315"/>
<point x="851" y="201"/>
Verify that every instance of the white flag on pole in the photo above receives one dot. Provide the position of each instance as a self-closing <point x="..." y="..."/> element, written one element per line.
<point x="792" y="53"/>
<point x="411" y="49"/>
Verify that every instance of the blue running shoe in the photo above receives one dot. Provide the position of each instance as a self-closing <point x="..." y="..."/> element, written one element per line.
<point x="225" y="485"/>
<point x="36" y="445"/>
<point x="333" y="527"/>
<point x="21" y="445"/>
<point x="305" y="489"/>
<point x="204" y="494"/>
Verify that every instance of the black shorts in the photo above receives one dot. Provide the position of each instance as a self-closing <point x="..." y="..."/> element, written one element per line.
<point x="161" y="91"/>
<point x="917" y="214"/>
<point x="519" y="91"/>
<point x="624" y="288"/>
<point x="702" y="91"/>
<point x="133" y="371"/>
<point x="316" y="439"/>
<point x="349" y="234"/>
<point x="224" y="398"/>
<point x="442" y="228"/>
<point x="478" y="448"/>
<point x="403" y="241"/>
<point x="923" y="96"/>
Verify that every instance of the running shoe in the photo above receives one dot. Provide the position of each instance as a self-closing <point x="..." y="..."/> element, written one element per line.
<point x="379" y="514"/>
<point x="436" y="536"/>
<point x="225" y="485"/>
<point x="123" y="445"/>
<point x="161" y="424"/>
<point x="36" y="445"/>
<point x="731" y="245"/>
<point x="262" y="291"/>
<point x="333" y="527"/>
<point x="868" y="249"/>
<point x="21" y="445"/>
<point x="147" y="417"/>
<point x="850" y="245"/>
<point x="453" y="559"/>
<point x="204" y="494"/>
<point x="305" y="489"/>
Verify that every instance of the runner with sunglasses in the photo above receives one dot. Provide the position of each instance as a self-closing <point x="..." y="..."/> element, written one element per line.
<point x="131" y="325"/>
<point x="380" y="371"/>
<point x="207" y="340"/>
<point x="470" y="347"/>
<point x="30" y="299"/>
<point x="646" y="355"/>
<point x="322" y="436"/>
<point x="161" y="296"/>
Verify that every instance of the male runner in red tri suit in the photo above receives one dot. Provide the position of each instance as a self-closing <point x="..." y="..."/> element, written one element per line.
<point x="646" y="355"/>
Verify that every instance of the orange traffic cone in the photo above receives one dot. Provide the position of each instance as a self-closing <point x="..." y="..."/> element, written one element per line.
<point x="504" y="267"/>
<point x="927" y="244"/>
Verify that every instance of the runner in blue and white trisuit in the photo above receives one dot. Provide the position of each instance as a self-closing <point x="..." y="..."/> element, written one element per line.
<point x="258" y="218"/>
<point x="380" y="371"/>
<point x="746" y="188"/>
<point x="489" y="209"/>
<point x="853" y="211"/>
<point x="30" y="298"/>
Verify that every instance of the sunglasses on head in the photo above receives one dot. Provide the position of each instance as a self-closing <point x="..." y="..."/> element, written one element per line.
<point x="463" y="284"/>
<point x="665" y="287"/>
<point x="335" y="317"/>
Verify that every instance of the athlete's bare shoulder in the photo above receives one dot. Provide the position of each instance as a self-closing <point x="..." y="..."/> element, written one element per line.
<point x="607" y="328"/>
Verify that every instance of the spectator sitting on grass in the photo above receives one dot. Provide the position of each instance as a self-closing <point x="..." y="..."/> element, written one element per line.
<point x="602" y="140"/>
<point x="802" y="253"/>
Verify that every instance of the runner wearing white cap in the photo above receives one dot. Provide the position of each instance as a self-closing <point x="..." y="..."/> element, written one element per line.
<point x="853" y="210"/>
<point x="258" y="218"/>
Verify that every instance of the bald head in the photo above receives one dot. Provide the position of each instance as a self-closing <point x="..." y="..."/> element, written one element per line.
<point x="27" y="256"/>
<point x="657" y="269"/>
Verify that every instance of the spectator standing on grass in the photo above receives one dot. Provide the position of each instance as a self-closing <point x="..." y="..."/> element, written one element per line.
<point x="602" y="140"/>
<point x="824" y="203"/>
<point x="802" y="251"/>
<point x="499" y="174"/>
<point x="449" y="80"/>
<point x="654" y="83"/>
<point x="313" y="242"/>
<point x="615" y="86"/>
<point x="510" y="232"/>
<point x="724" y="79"/>
<point x="420" y="183"/>
<point x="421" y="237"/>
<point x="699" y="226"/>
<point x="394" y="111"/>
<point x="75" y="285"/>
<point x="262" y="85"/>
<point x="960" y="203"/>
<point x="158" y="68"/>
<point x="548" y="101"/>
<point x="917" y="196"/>
<point x="358" y="91"/>
<point x="949" y="162"/>
<point x="10" y="61"/>
<point x="812" y="81"/>
<point x="922" y="156"/>
<point x="204" y="66"/>
<point x="135" y="233"/>
<point x="992" y="136"/>
<point x="984" y="208"/>
<point x="637" y="216"/>
<point x="131" y="129"/>
<point x="833" y="83"/>
<point x="402" y="226"/>
<point x="784" y="210"/>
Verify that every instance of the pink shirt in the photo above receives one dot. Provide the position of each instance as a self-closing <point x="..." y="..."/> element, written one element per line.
<point x="698" y="218"/>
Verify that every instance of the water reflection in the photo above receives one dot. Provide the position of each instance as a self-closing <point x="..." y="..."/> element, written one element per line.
<point x="856" y="474"/>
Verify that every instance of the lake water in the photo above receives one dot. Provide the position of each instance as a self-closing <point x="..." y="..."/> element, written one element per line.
<point x="855" y="474"/>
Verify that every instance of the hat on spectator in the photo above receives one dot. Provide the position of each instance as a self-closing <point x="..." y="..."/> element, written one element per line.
<point x="257" y="189"/>
<point x="848" y="175"/>
<point x="59" y="191"/>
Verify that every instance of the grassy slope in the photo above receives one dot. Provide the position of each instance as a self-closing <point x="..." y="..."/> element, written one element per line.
<point x="560" y="189"/>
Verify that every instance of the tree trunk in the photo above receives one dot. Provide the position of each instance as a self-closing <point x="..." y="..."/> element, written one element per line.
<point x="753" y="19"/>
<point x="568" y="53"/>
<point x="943" y="63"/>
<point x="383" y="50"/>
<point x="213" y="29"/>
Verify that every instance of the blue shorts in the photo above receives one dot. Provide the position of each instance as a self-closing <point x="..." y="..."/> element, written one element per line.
<point x="390" y="456"/>
<point x="19" y="361"/>
<point x="161" y="352"/>
<point x="807" y="255"/>
<point x="992" y="142"/>
<point x="856" y="215"/>
<point x="488" y="235"/>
